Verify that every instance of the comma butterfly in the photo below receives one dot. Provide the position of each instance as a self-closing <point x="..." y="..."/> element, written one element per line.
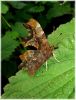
<point x="33" y="59"/>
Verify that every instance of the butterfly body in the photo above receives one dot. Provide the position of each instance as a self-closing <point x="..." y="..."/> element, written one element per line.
<point x="33" y="59"/>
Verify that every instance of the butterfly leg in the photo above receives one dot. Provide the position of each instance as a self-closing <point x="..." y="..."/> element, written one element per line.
<point x="46" y="66"/>
<point x="55" y="58"/>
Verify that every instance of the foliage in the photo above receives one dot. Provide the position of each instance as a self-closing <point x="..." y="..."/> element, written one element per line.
<point x="18" y="27"/>
<point x="9" y="44"/>
<point x="4" y="8"/>
<point x="58" y="80"/>
<point x="58" y="10"/>
<point x="17" y="5"/>
<point x="36" y="9"/>
<point x="57" y="36"/>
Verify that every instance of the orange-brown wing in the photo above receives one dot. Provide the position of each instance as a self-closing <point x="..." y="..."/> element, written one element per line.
<point x="33" y="59"/>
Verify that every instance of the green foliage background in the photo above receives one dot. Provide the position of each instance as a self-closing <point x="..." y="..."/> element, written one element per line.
<point x="58" y="80"/>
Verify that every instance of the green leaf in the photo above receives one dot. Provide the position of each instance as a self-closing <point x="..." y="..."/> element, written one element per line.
<point x="4" y="8"/>
<point x="57" y="82"/>
<point x="17" y="4"/>
<point x="59" y="10"/>
<point x="36" y="9"/>
<point x="72" y="95"/>
<point x="65" y="30"/>
<point x="18" y="27"/>
<point x="9" y="43"/>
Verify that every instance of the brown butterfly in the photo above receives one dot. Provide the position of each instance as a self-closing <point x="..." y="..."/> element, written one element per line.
<point x="33" y="59"/>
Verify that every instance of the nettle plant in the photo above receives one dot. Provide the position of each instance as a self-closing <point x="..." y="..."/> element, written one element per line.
<point x="52" y="71"/>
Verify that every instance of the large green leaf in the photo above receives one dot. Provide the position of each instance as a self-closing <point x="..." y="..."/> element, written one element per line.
<point x="36" y="9"/>
<point x="17" y="4"/>
<point x="65" y="30"/>
<point x="59" y="10"/>
<point x="56" y="82"/>
<point x="4" y="8"/>
<point x="18" y="27"/>
<point x="9" y="43"/>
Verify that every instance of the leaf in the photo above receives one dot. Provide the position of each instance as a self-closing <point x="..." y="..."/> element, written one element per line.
<point x="18" y="27"/>
<point x="4" y="8"/>
<point x="59" y="10"/>
<point x="57" y="82"/>
<point x="9" y="43"/>
<point x="36" y="9"/>
<point x="17" y="4"/>
<point x="72" y="95"/>
<point x="61" y="32"/>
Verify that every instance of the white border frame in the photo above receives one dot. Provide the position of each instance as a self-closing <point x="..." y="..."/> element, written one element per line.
<point x="0" y="45"/>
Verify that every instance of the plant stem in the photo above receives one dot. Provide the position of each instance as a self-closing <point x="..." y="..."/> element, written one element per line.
<point x="6" y="22"/>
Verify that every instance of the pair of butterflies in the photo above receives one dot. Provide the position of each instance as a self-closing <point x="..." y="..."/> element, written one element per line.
<point x="33" y="59"/>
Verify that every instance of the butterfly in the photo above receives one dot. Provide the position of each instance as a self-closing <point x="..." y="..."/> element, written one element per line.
<point x="33" y="59"/>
